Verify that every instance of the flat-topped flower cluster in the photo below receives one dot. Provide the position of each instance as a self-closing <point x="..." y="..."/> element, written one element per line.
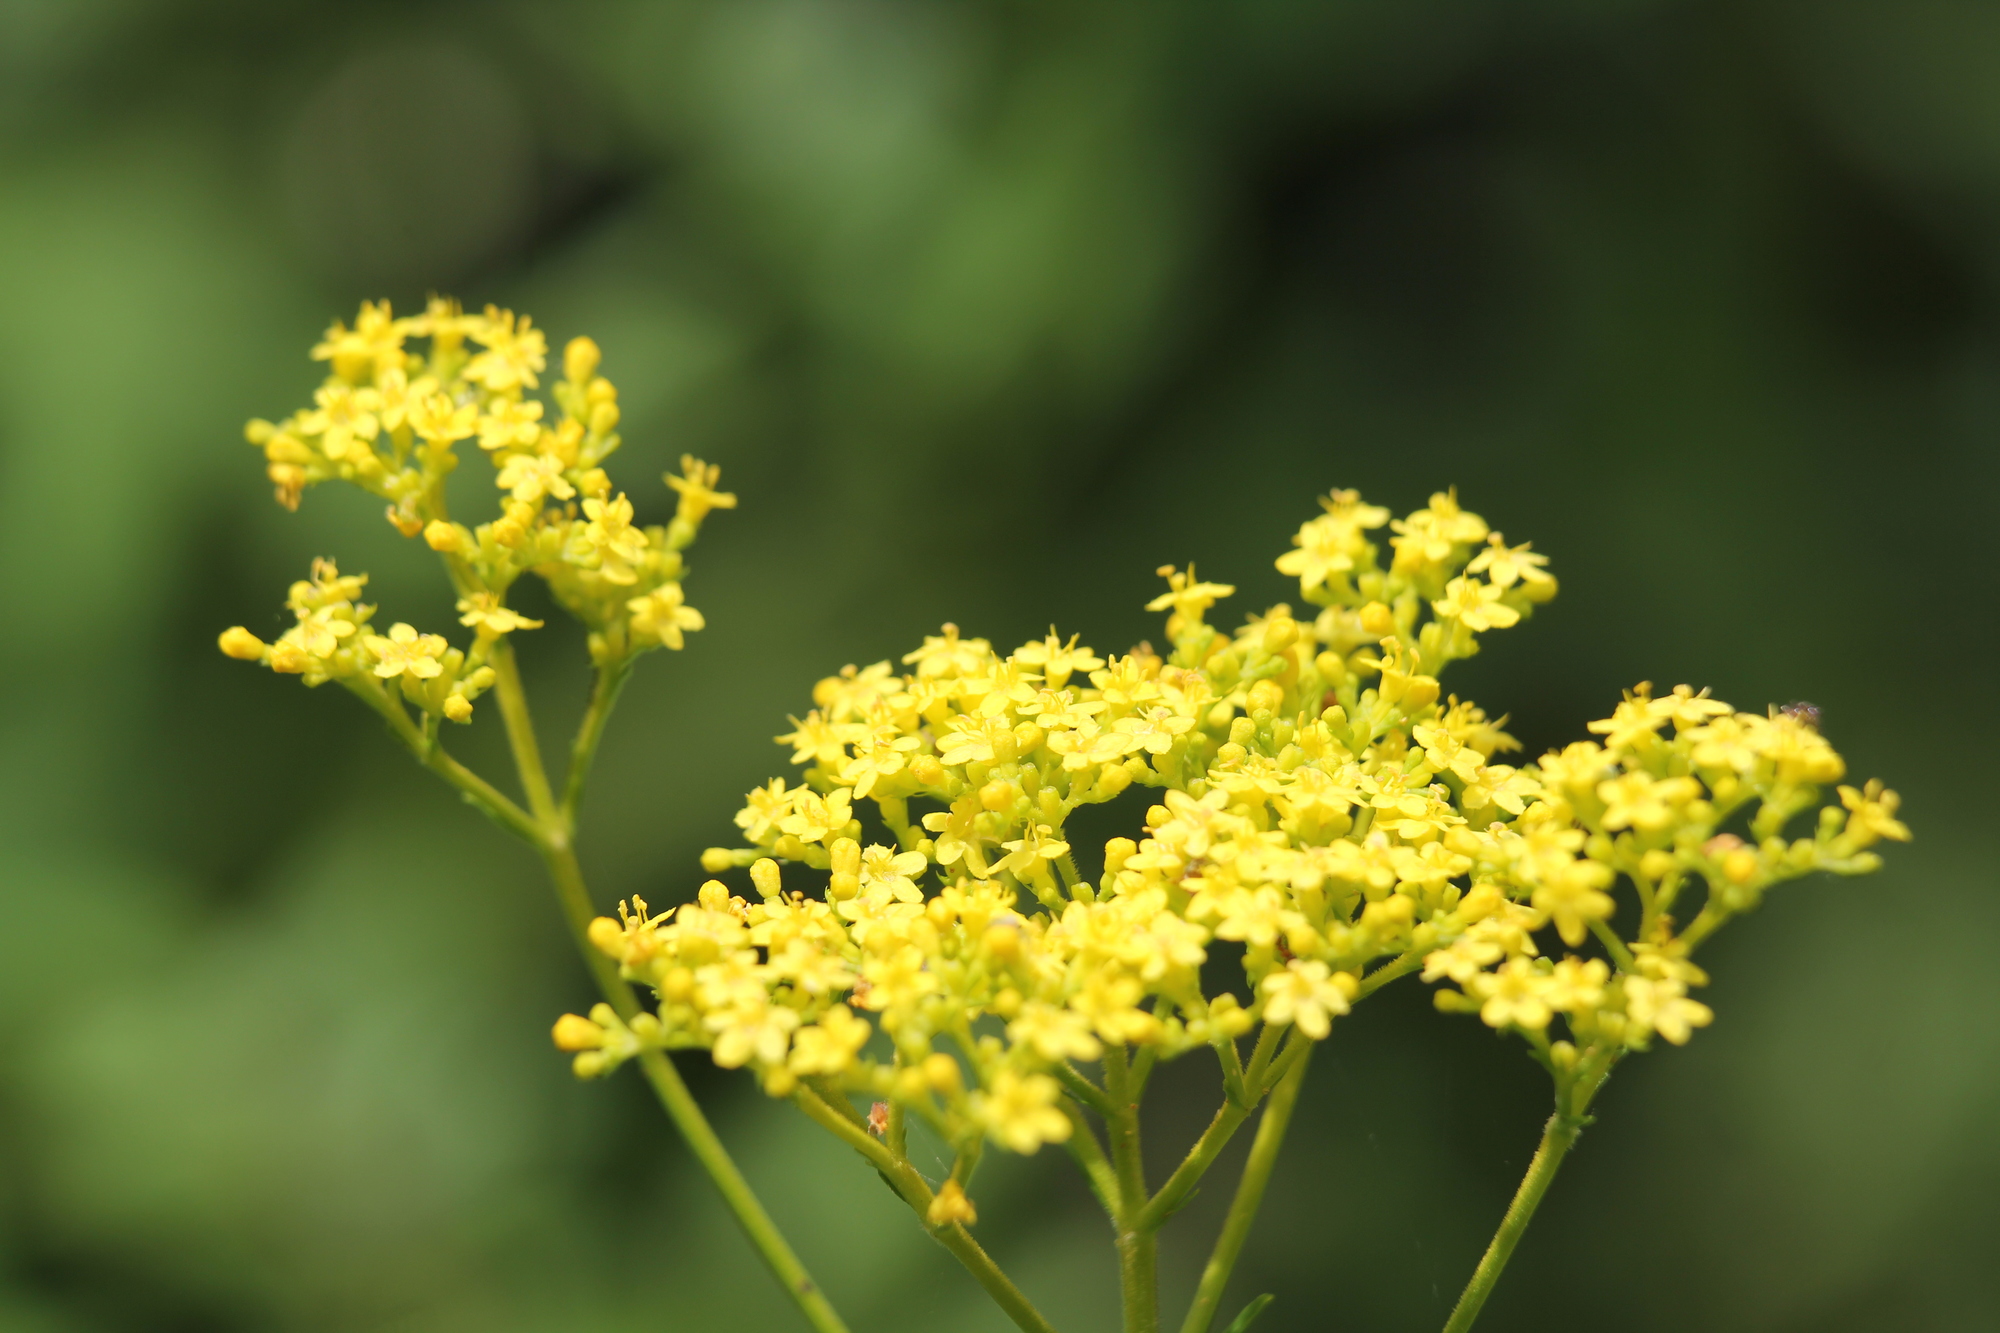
<point x="390" y="418"/>
<point x="1322" y="810"/>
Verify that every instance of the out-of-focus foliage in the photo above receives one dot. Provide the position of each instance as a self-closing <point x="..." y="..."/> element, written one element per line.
<point x="1700" y="295"/>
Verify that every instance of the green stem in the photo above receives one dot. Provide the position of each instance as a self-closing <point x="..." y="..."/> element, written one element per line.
<point x="1138" y="1247"/>
<point x="1229" y="1117"/>
<point x="1558" y="1137"/>
<point x="1083" y="1089"/>
<point x="1089" y="1155"/>
<point x="913" y="1190"/>
<point x="1249" y="1195"/>
<point x="551" y="837"/>
<point x="603" y="698"/>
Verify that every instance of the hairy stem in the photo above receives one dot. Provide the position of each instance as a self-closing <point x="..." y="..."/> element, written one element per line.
<point x="1249" y="1194"/>
<point x="1558" y="1137"/>
<point x="1138" y="1247"/>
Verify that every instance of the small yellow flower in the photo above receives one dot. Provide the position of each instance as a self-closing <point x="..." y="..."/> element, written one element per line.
<point x="514" y="352"/>
<point x="1019" y="1112"/>
<point x="662" y="615"/>
<point x="510" y="424"/>
<point x="1871" y="813"/>
<point x="529" y="477"/>
<point x="405" y="652"/>
<point x="696" y="486"/>
<point x="483" y="612"/>
<point x="1308" y="993"/>
<point x="1476" y="605"/>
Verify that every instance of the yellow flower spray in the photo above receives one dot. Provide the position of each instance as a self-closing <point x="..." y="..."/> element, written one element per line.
<point x="919" y="937"/>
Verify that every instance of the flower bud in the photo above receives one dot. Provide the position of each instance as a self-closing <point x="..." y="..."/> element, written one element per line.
<point x="1378" y="619"/>
<point x="580" y="360"/>
<point x="950" y="1206"/>
<point x="941" y="1072"/>
<point x="764" y="874"/>
<point x="441" y="536"/>
<point x="241" y="644"/>
<point x="457" y="709"/>
<point x="574" y="1032"/>
<point x="607" y="937"/>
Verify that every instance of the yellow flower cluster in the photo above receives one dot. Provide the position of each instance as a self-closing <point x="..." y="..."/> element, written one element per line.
<point x="390" y="419"/>
<point x="1321" y="813"/>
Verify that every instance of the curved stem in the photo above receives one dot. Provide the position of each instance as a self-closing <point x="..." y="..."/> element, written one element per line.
<point x="551" y="837"/>
<point x="1249" y="1195"/>
<point x="916" y="1192"/>
<point x="603" y="698"/>
<point x="1559" y="1135"/>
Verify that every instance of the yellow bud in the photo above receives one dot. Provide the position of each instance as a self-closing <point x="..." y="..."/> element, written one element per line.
<point x="678" y="984"/>
<point x="911" y="1085"/>
<point x="457" y="709"/>
<point x="1114" y="779"/>
<point x="241" y="644"/>
<point x="1117" y="852"/>
<point x="941" y="1072"/>
<point x="289" y="658"/>
<point x="926" y="769"/>
<point x="1028" y="736"/>
<point x="607" y="936"/>
<point x="441" y="536"/>
<point x="1332" y="667"/>
<point x="715" y="860"/>
<point x="780" y="1081"/>
<point x="1656" y="864"/>
<point x="1007" y="1003"/>
<point x="950" y="1206"/>
<point x="764" y="874"/>
<point x="574" y="1032"/>
<point x="588" y="1064"/>
<point x="1002" y="943"/>
<point x="601" y="390"/>
<point x="1421" y="692"/>
<point x="1740" y="866"/>
<point x="997" y="795"/>
<point x="603" y="417"/>
<point x="842" y="885"/>
<point x="845" y="855"/>
<point x="940" y="913"/>
<point x="580" y="360"/>
<point x="1378" y="619"/>
<point x="714" y="894"/>
<point x="1280" y="633"/>
<point x="1265" y="696"/>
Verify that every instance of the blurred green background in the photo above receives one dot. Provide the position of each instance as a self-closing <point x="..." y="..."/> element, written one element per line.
<point x="986" y="309"/>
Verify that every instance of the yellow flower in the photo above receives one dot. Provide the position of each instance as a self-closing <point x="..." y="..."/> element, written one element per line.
<point x="1662" y="1006"/>
<point x="948" y="655"/>
<point x="320" y="632"/>
<point x="816" y="818"/>
<point x="1640" y="801"/>
<point x="1054" y="1033"/>
<point x="1429" y="536"/>
<point x="829" y="1046"/>
<point x="441" y="421"/>
<point x="662" y="615"/>
<point x="482" y="611"/>
<point x="1190" y="600"/>
<point x="1019" y="1112"/>
<point x="1308" y="993"/>
<point x="510" y="424"/>
<point x="1028" y="856"/>
<point x="767" y="805"/>
<point x="1872" y="814"/>
<point x="1476" y="605"/>
<point x="1571" y="891"/>
<point x="1057" y="660"/>
<point x="375" y="343"/>
<point x="1516" y="995"/>
<point x="513" y="355"/>
<point x="1506" y="565"/>
<point x="696" y="486"/>
<point x="343" y="419"/>
<point x="531" y="476"/>
<point x="405" y="652"/>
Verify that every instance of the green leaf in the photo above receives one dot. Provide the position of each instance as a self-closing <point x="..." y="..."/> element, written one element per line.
<point x="1242" y="1322"/>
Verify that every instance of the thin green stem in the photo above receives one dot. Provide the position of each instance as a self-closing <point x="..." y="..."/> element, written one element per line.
<point x="551" y="836"/>
<point x="604" y="694"/>
<point x="1138" y="1248"/>
<point x="1249" y="1195"/>
<point x="1083" y="1089"/>
<point x="915" y="1192"/>
<point x="1089" y="1155"/>
<point x="1228" y="1117"/>
<point x="1558" y="1137"/>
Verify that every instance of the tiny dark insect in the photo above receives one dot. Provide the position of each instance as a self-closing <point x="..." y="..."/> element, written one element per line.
<point x="1802" y="712"/>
